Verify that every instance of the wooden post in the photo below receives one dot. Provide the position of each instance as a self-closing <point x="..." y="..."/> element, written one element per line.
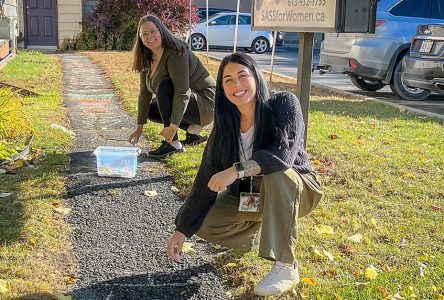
<point x="305" y="56"/>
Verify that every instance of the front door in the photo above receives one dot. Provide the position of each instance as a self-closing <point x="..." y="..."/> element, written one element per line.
<point x="41" y="22"/>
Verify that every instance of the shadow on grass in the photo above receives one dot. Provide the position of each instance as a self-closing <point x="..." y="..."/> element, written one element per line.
<point x="12" y="208"/>
<point x="158" y="285"/>
<point x="359" y="109"/>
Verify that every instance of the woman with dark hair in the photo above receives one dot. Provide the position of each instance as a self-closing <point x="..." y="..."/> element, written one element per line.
<point x="255" y="179"/>
<point x="183" y="87"/>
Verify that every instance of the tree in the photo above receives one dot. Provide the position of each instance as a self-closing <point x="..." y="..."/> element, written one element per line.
<point x="113" y="24"/>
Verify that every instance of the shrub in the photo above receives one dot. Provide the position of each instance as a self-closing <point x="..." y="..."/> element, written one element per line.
<point x="113" y="24"/>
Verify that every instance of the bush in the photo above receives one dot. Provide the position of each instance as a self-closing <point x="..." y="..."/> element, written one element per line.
<point x="113" y="24"/>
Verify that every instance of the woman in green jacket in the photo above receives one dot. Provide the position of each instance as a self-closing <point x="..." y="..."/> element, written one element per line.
<point x="184" y="89"/>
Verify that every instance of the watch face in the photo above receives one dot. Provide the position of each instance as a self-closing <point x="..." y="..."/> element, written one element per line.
<point x="239" y="167"/>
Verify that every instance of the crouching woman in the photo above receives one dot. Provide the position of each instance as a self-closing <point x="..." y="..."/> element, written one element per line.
<point x="255" y="177"/>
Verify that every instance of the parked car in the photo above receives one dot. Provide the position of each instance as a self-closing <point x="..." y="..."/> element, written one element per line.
<point x="424" y="66"/>
<point x="375" y="60"/>
<point x="279" y="38"/>
<point x="221" y="33"/>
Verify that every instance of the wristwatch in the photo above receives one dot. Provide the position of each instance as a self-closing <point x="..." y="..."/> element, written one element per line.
<point x="240" y="169"/>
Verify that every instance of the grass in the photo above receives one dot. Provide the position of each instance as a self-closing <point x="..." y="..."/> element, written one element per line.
<point x="382" y="171"/>
<point x="34" y="245"/>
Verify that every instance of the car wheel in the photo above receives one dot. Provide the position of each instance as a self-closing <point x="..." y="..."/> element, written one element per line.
<point x="402" y="90"/>
<point x="260" y="45"/>
<point x="365" y="84"/>
<point x="198" y="42"/>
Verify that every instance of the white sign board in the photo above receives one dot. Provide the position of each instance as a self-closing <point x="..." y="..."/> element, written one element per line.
<point x="295" y="15"/>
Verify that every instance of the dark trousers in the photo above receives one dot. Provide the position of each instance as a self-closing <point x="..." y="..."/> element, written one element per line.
<point x="162" y="106"/>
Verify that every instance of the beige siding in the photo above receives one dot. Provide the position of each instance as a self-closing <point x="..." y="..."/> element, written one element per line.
<point x="69" y="18"/>
<point x="21" y="20"/>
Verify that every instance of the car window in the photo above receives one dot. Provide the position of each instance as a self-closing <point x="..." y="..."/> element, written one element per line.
<point x="437" y="9"/>
<point x="223" y="20"/>
<point x="412" y="8"/>
<point x="244" y="20"/>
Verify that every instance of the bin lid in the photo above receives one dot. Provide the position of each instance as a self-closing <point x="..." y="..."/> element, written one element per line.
<point x="126" y="150"/>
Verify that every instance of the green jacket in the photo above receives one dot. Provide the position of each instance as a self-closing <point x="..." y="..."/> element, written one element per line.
<point x="188" y="75"/>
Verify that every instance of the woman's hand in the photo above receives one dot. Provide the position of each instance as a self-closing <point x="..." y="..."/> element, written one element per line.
<point x="169" y="132"/>
<point x="135" y="134"/>
<point x="221" y="180"/>
<point x="174" y="245"/>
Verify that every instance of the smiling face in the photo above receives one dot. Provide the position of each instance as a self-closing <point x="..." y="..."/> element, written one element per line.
<point x="150" y="36"/>
<point x="239" y="86"/>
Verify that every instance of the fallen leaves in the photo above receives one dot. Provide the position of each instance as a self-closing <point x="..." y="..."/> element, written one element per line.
<point x="361" y="140"/>
<point x="150" y="193"/>
<point x="371" y="273"/>
<point x="62" y="210"/>
<point x="324" y="229"/>
<point x="347" y="249"/>
<point x="175" y="189"/>
<point x="230" y="265"/>
<point x="356" y="238"/>
<point x="188" y="249"/>
<point x="308" y="281"/>
<point x="4" y="286"/>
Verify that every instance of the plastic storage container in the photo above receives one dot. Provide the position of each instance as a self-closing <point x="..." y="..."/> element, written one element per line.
<point x="117" y="161"/>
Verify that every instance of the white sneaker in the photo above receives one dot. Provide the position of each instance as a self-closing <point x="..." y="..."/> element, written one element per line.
<point x="280" y="279"/>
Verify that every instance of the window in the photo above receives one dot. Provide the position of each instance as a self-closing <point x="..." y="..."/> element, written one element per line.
<point x="412" y="8"/>
<point x="244" y="20"/>
<point x="437" y="9"/>
<point x="223" y="20"/>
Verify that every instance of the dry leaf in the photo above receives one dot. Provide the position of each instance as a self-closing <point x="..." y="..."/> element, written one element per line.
<point x="4" y="286"/>
<point x="151" y="193"/>
<point x="174" y="189"/>
<point x="317" y="162"/>
<point x="373" y="125"/>
<point x="386" y="268"/>
<point x="385" y="293"/>
<point x="333" y="136"/>
<point x="70" y="279"/>
<point x="361" y="140"/>
<point x="62" y="210"/>
<point x="308" y="281"/>
<point x="324" y="229"/>
<point x="32" y="242"/>
<point x="60" y="296"/>
<point x="318" y="253"/>
<point x="230" y="265"/>
<point x="357" y="238"/>
<point x="56" y="202"/>
<point x="187" y="248"/>
<point x="329" y="255"/>
<point x="347" y="249"/>
<point x="371" y="273"/>
<point x="402" y="109"/>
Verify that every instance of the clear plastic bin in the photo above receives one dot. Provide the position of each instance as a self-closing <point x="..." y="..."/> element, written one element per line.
<point x="117" y="161"/>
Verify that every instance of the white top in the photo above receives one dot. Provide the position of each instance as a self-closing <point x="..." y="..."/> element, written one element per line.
<point x="246" y="144"/>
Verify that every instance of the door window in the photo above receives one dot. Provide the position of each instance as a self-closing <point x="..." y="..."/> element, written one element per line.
<point x="223" y="20"/>
<point x="437" y="9"/>
<point x="412" y="8"/>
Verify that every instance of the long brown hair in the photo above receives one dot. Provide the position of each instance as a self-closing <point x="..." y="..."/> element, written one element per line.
<point x="142" y="56"/>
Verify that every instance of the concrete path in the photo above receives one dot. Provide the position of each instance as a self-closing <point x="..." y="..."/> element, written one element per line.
<point x="119" y="234"/>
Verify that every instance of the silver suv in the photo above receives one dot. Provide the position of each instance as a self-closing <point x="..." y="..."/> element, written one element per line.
<point x="375" y="60"/>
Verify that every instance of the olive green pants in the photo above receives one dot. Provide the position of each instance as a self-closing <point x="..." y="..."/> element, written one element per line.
<point x="285" y="196"/>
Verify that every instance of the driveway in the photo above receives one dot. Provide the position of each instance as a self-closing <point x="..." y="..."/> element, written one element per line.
<point x="286" y="61"/>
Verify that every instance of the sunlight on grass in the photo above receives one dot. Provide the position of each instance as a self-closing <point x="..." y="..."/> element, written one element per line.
<point x="32" y="236"/>
<point x="382" y="173"/>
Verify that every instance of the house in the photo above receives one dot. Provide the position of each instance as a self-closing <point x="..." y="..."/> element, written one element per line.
<point x="45" y="24"/>
<point x="8" y="29"/>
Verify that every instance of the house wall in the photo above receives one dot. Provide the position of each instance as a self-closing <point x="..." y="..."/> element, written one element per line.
<point x="69" y="18"/>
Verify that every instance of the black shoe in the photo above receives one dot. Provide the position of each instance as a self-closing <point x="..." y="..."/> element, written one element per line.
<point x="193" y="139"/>
<point x="163" y="151"/>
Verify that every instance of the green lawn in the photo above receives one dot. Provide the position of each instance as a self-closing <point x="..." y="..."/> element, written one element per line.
<point x="379" y="231"/>
<point x="34" y="248"/>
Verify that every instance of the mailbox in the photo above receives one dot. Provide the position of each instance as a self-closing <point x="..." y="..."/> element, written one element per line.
<point x="314" y="15"/>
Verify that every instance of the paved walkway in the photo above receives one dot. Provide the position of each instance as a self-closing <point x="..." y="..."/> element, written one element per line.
<point x="119" y="234"/>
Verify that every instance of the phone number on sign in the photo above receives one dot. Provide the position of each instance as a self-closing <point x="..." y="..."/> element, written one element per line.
<point x="306" y="2"/>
